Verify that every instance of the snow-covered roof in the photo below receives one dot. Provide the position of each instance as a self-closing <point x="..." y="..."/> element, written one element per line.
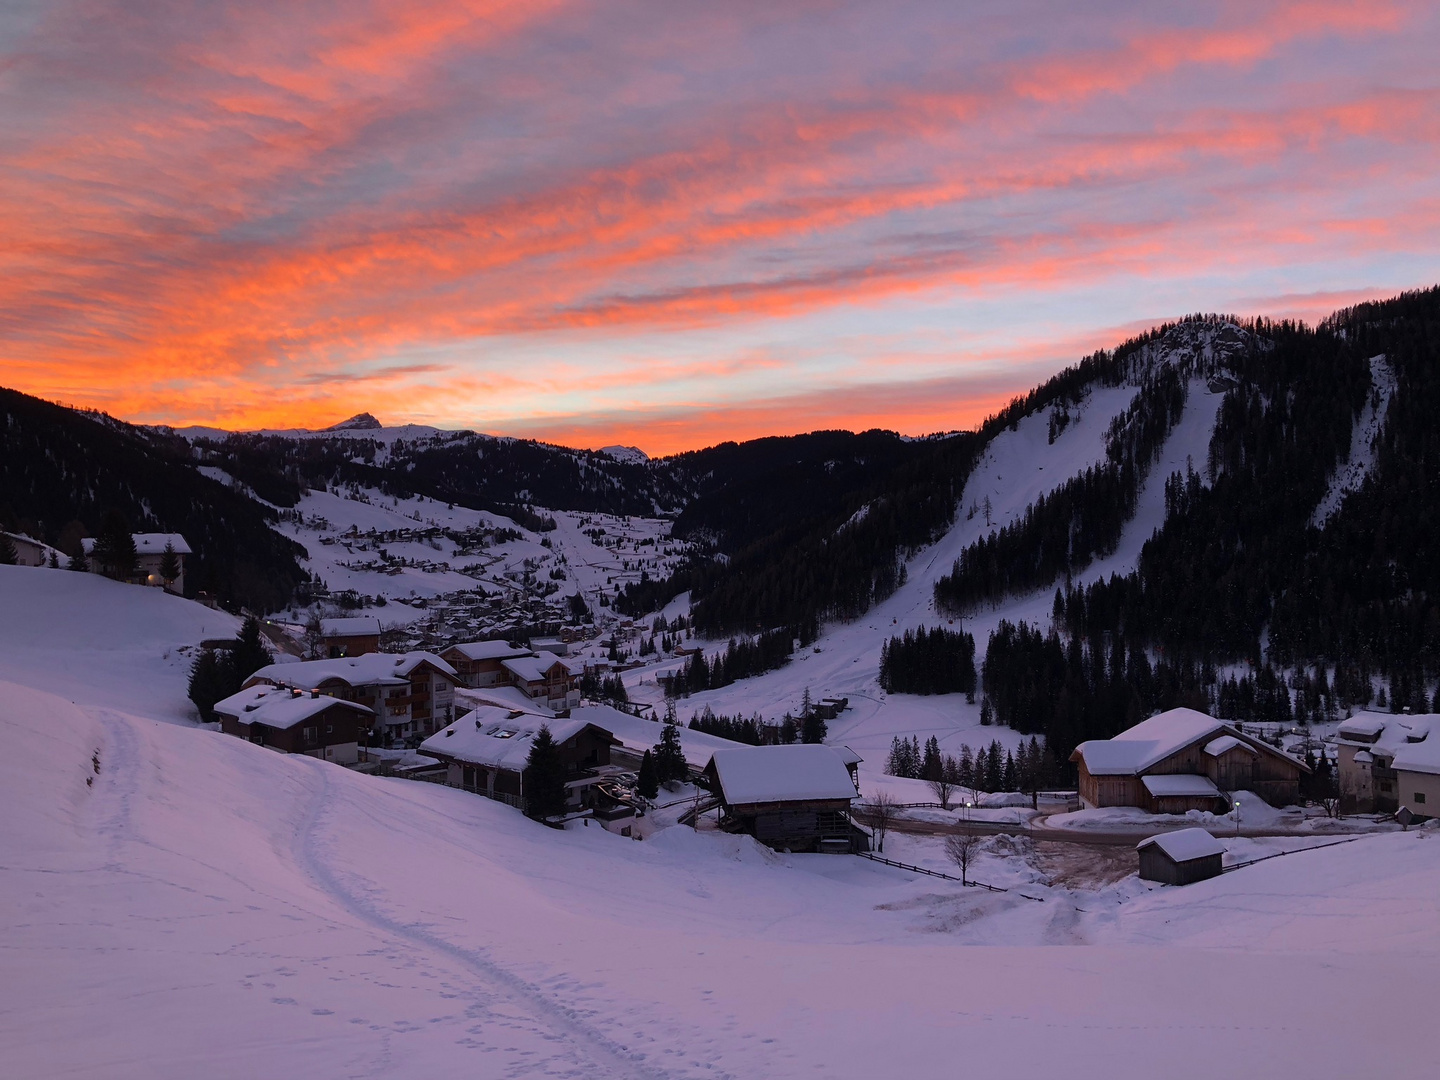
<point x="385" y="669"/>
<point x="148" y="543"/>
<point x="848" y="756"/>
<point x="1421" y="757"/>
<point x="499" y="738"/>
<point x="1183" y="845"/>
<point x="532" y="668"/>
<point x="1179" y="784"/>
<point x="1152" y="741"/>
<point x="279" y="708"/>
<point x="1387" y="734"/>
<point x="797" y="773"/>
<point x="488" y="650"/>
<point x="1136" y="749"/>
<point x="506" y="697"/>
<point x="1225" y="743"/>
<point x="638" y="734"/>
<point x="353" y="626"/>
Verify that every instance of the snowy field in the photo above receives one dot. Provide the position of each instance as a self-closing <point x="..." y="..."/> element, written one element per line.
<point x="203" y="906"/>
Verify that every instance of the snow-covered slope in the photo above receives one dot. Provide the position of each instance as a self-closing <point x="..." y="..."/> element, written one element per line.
<point x="194" y="904"/>
<point x="1018" y="466"/>
<point x="100" y="642"/>
<point x="1363" y="437"/>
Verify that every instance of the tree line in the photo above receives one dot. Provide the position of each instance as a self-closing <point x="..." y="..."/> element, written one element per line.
<point x="934" y="661"/>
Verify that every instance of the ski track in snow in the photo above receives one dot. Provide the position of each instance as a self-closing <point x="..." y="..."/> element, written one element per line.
<point x="587" y="1049"/>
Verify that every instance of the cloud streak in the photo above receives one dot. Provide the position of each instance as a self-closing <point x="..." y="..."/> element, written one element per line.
<point x="269" y="213"/>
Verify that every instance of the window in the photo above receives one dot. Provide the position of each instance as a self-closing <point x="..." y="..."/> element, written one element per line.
<point x="309" y="734"/>
<point x="1419" y="796"/>
<point x="329" y="729"/>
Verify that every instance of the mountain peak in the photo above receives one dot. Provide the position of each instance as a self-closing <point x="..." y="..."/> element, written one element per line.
<point x="359" y="422"/>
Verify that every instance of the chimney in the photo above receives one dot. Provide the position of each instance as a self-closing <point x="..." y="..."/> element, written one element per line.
<point x="314" y="693"/>
<point x="294" y="692"/>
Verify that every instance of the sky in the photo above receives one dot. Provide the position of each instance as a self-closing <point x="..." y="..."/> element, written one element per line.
<point x="665" y="224"/>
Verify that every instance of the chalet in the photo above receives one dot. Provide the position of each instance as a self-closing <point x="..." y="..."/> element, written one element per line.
<point x="31" y="552"/>
<point x="486" y="751"/>
<point x="411" y="694"/>
<point x="1180" y="857"/>
<point x="293" y="722"/>
<point x="1367" y="749"/>
<point x="794" y="797"/>
<point x="149" y="554"/>
<point x="1183" y="760"/>
<point x="479" y="662"/>
<point x="353" y="636"/>
<point x="546" y="679"/>
<point x="1417" y="775"/>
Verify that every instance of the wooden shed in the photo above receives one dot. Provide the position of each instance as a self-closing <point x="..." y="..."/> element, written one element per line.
<point x="1180" y="857"/>
<point x="794" y="798"/>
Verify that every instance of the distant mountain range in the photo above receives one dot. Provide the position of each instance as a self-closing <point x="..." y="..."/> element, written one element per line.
<point x="1306" y="530"/>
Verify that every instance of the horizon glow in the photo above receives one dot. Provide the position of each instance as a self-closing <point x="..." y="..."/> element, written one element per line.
<point x="666" y="226"/>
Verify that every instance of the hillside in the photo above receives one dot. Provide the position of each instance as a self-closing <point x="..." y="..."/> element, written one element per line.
<point x="201" y="893"/>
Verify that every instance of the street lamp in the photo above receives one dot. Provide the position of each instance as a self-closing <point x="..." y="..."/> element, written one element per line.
<point x="1236" y="800"/>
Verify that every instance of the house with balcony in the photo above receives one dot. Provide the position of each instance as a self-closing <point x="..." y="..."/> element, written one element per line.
<point x="411" y="694"/>
<point x="294" y="722"/>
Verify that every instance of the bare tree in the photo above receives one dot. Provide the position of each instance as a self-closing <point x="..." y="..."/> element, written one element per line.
<point x="946" y="780"/>
<point x="881" y="809"/>
<point x="314" y="634"/>
<point x="960" y="847"/>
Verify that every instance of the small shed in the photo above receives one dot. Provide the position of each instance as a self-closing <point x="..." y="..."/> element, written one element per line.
<point x="794" y="797"/>
<point x="1180" y="857"/>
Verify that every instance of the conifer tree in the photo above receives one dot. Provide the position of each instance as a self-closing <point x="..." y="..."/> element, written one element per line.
<point x="211" y="680"/>
<point x="250" y="653"/>
<point x="114" y="549"/>
<point x="79" y="561"/>
<point x="54" y="561"/>
<point x="813" y="728"/>
<point x="648" y="783"/>
<point x="669" y="757"/>
<point x="169" y="564"/>
<point x="544" y="777"/>
<point x="8" y="555"/>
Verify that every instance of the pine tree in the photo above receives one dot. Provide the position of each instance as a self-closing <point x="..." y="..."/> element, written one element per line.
<point x="54" y="561"/>
<point x="169" y="564"/>
<point x="669" y="757"/>
<point x="250" y="653"/>
<point x="211" y="680"/>
<point x="544" y="777"/>
<point x="931" y="764"/>
<point x="79" y="561"/>
<point x="813" y="728"/>
<point x="648" y="783"/>
<point x="115" y="548"/>
<point x="8" y="555"/>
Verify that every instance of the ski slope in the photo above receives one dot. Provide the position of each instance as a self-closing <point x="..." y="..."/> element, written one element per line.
<point x="1018" y="467"/>
<point x="204" y="906"/>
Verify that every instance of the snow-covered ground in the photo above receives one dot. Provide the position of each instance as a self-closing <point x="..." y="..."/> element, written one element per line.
<point x="175" y="902"/>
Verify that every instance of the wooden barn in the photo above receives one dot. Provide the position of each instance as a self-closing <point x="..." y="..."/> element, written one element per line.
<point x="480" y="662"/>
<point x="293" y="722"/>
<point x="794" y="798"/>
<point x="1183" y="760"/>
<point x="1180" y="857"/>
<point x="486" y="751"/>
<point x="353" y="636"/>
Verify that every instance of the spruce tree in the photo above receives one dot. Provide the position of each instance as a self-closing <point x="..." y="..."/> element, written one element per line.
<point x="79" y="561"/>
<point x="544" y="777"/>
<point x="648" y="783"/>
<point x="250" y="653"/>
<point x="114" y="549"/>
<point x="211" y="680"/>
<point x="169" y="564"/>
<point x="54" y="561"/>
<point x="813" y="728"/>
<point x="669" y="757"/>
<point x="8" y="555"/>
